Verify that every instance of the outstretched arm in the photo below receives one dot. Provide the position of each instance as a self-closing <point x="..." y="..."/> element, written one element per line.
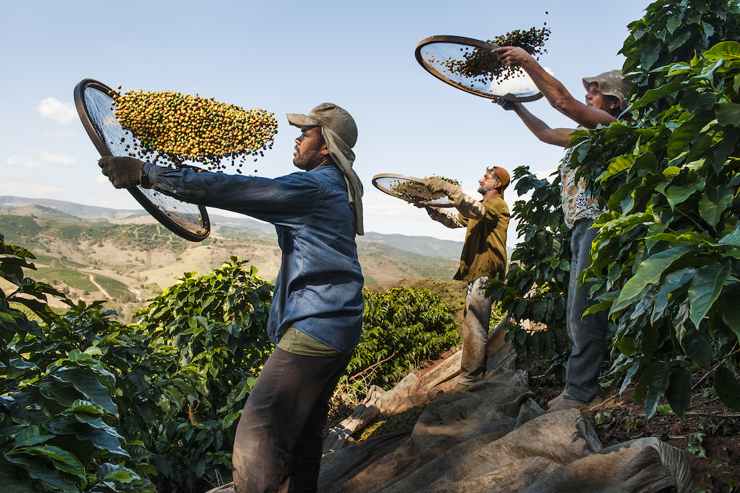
<point x="268" y="199"/>
<point x="264" y="198"/>
<point x="556" y="93"/>
<point x="555" y="136"/>
<point x="451" y="220"/>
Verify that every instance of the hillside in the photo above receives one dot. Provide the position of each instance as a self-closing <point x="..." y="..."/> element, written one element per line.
<point x="125" y="256"/>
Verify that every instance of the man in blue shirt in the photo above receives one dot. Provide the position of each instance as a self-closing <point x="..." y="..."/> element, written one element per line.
<point x="316" y="314"/>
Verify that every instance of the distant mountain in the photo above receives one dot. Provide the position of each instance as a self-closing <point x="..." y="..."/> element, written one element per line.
<point x="225" y="226"/>
<point x="71" y="208"/>
<point x="420" y="245"/>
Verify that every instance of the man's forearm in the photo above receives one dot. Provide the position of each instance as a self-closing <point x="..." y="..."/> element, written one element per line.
<point x="469" y="207"/>
<point x="444" y="218"/>
<point x="554" y="90"/>
<point x="554" y="136"/>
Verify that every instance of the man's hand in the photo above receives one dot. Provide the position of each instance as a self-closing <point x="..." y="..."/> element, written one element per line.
<point x="505" y="103"/>
<point x="122" y="171"/>
<point x="439" y="185"/>
<point x="513" y="55"/>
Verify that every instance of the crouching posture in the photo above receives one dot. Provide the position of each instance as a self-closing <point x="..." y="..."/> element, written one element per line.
<point x="483" y="257"/>
<point x="316" y="314"/>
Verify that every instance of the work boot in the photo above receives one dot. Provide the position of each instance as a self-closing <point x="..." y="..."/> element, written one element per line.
<point x="562" y="402"/>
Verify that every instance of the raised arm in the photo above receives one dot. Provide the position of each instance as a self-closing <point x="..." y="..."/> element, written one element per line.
<point x="264" y="198"/>
<point x="555" y="136"/>
<point x="556" y="93"/>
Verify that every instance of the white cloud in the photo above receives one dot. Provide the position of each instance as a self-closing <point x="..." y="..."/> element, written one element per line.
<point x="21" y="162"/>
<point x="521" y="84"/>
<point x="55" y="110"/>
<point x="28" y="189"/>
<point x="40" y="159"/>
<point x="56" y="158"/>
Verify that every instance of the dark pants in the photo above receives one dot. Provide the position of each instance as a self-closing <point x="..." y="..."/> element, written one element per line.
<point x="588" y="336"/>
<point x="279" y="439"/>
<point x="475" y="331"/>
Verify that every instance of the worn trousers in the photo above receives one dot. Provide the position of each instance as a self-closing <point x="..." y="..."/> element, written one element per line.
<point x="279" y="438"/>
<point x="475" y="331"/>
<point x="588" y="336"/>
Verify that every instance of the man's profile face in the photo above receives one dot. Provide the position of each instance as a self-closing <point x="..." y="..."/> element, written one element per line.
<point x="595" y="98"/>
<point x="310" y="150"/>
<point x="488" y="182"/>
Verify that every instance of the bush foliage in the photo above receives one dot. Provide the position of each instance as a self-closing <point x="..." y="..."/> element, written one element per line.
<point x="666" y="260"/>
<point x="92" y="405"/>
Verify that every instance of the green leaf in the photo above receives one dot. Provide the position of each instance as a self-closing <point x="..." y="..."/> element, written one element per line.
<point x="672" y="282"/>
<point x="673" y="23"/>
<point x="12" y="480"/>
<point x="648" y="272"/>
<point x="117" y="473"/>
<point x="731" y="309"/>
<point x="43" y="472"/>
<point x="713" y="203"/>
<point x="679" y="390"/>
<point x="677" y="195"/>
<point x="63" y="460"/>
<point x="725" y="50"/>
<point x="30" y="436"/>
<point x="732" y="239"/>
<point x="728" y="114"/>
<point x="107" y="440"/>
<point x="656" y="387"/>
<point x="88" y="385"/>
<point x="654" y="95"/>
<point x="616" y="166"/>
<point x="727" y="387"/>
<point x="705" y="289"/>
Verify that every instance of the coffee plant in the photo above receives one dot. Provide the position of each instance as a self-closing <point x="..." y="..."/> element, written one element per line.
<point x="88" y="404"/>
<point x="60" y="424"/>
<point x="666" y="260"/>
<point x="536" y="284"/>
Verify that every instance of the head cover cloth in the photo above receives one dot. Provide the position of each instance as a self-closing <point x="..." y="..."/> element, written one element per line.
<point x="340" y="134"/>
<point x="610" y="83"/>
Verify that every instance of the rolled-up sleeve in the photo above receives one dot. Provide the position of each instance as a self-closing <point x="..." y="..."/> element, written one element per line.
<point x="264" y="198"/>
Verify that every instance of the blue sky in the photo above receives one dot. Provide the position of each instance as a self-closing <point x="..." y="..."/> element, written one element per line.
<point x="287" y="57"/>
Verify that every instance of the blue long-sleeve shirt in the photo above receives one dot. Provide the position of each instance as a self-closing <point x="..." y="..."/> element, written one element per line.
<point x="319" y="286"/>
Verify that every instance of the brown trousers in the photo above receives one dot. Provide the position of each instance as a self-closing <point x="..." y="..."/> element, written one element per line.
<point x="279" y="438"/>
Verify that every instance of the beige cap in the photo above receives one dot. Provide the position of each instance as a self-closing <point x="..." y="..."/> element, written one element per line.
<point x="610" y="83"/>
<point x="331" y="116"/>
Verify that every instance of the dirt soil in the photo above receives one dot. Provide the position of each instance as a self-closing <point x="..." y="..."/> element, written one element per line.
<point x="709" y="431"/>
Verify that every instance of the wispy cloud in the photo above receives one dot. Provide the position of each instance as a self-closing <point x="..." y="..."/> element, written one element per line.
<point x="28" y="189"/>
<point x="56" y="110"/>
<point x="40" y="159"/>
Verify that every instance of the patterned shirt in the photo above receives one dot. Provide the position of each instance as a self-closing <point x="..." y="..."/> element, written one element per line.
<point x="577" y="201"/>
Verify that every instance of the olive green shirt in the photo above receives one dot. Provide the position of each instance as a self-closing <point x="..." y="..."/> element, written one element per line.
<point x="297" y="342"/>
<point x="484" y="251"/>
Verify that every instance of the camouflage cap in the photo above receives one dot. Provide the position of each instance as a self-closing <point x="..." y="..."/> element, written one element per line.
<point x="611" y="83"/>
<point x="331" y="116"/>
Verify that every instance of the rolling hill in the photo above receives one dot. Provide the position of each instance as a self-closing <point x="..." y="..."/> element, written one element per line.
<point x="124" y="256"/>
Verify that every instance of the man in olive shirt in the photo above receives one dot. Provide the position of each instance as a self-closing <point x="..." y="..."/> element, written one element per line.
<point x="483" y="257"/>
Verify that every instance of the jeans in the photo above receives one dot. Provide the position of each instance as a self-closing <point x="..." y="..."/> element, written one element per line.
<point x="588" y="336"/>
<point x="475" y="331"/>
<point x="279" y="438"/>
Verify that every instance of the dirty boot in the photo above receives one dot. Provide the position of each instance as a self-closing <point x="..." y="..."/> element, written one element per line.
<point x="562" y="402"/>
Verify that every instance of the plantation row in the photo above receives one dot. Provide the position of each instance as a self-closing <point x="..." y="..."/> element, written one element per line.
<point x="666" y="260"/>
<point x="90" y="404"/>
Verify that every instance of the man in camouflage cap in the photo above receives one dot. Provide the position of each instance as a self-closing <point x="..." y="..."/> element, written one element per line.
<point x="316" y="313"/>
<point x="606" y="96"/>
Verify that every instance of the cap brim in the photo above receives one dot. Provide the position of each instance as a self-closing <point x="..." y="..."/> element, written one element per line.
<point x="587" y="81"/>
<point x="301" y="121"/>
